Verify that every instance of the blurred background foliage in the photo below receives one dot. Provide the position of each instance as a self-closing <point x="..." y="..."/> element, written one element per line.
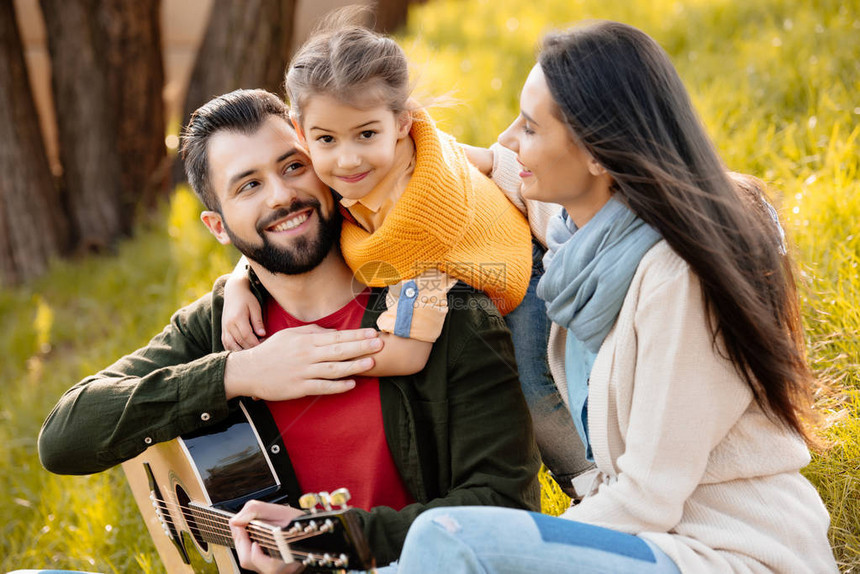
<point x="776" y="84"/>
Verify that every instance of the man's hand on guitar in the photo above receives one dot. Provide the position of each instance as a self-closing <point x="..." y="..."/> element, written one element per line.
<point x="294" y="363"/>
<point x="251" y="555"/>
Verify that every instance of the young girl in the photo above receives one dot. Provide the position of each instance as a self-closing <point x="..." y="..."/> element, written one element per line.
<point x="681" y="342"/>
<point x="418" y="218"/>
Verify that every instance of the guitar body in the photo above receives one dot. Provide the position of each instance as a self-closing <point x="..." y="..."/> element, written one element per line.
<point x="222" y="466"/>
<point x="172" y="470"/>
<point x="188" y="488"/>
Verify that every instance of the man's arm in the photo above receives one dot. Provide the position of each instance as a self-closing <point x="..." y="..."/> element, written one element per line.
<point x="182" y="380"/>
<point x="171" y="386"/>
<point x="493" y="458"/>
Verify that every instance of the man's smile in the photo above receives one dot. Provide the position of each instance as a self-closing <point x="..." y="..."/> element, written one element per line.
<point x="291" y="222"/>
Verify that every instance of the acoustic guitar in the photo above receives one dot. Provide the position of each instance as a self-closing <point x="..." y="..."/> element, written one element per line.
<point x="188" y="488"/>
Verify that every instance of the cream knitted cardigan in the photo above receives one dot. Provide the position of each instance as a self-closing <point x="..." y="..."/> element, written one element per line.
<point x="686" y="458"/>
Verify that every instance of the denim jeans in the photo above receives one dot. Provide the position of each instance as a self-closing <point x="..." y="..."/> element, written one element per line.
<point x="488" y="540"/>
<point x="561" y="449"/>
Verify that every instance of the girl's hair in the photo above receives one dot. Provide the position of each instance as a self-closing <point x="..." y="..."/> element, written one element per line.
<point x="349" y="62"/>
<point x="623" y="101"/>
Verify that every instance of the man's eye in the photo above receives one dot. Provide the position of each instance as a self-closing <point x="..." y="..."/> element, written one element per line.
<point x="249" y="186"/>
<point x="293" y="167"/>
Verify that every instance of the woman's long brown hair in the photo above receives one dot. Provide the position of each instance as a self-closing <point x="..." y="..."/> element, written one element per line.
<point x="625" y="103"/>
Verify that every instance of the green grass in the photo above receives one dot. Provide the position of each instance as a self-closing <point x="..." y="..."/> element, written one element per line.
<point x="776" y="84"/>
<point x="78" y="319"/>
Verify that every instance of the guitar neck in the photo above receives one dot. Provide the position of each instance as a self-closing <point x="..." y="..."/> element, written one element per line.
<point x="213" y="526"/>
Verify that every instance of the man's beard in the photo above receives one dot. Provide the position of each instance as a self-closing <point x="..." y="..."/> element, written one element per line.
<point x="304" y="254"/>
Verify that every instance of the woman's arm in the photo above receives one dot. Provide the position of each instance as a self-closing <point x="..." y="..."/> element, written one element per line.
<point x="480" y="157"/>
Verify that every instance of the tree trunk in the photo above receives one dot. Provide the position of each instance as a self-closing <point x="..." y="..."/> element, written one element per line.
<point x="246" y="45"/>
<point x="391" y="15"/>
<point x="86" y="122"/>
<point x="32" y="225"/>
<point x="135" y="80"/>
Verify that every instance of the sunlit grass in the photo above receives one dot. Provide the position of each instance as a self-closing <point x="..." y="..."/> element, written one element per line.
<point x="776" y="84"/>
<point x="75" y="321"/>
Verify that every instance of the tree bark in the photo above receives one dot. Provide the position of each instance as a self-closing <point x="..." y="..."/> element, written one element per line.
<point x="32" y="225"/>
<point x="86" y="122"/>
<point x="246" y="45"/>
<point x="135" y="80"/>
<point x="391" y="15"/>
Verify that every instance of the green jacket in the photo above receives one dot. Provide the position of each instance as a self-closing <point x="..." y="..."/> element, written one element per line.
<point x="459" y="431"/>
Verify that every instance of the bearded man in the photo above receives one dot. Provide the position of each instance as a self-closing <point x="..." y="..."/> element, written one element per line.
<point x="457" y="433"/>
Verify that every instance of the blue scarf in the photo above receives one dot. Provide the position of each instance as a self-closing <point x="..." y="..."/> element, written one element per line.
<point x="588" y="272"/>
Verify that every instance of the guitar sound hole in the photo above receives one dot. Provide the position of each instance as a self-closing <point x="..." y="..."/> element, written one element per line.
<point x="184" y="500"/>
<point x="199" y="563"/>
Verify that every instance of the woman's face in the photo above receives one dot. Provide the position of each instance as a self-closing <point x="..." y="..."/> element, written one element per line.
<point x="555" y="169"/>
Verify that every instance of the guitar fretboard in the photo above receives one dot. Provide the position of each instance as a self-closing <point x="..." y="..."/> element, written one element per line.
<point x="213" y="526"/>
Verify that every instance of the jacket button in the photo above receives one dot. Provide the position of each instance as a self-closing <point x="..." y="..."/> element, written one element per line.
<point x="147" y="440"/>
<point x="205" y="417"/>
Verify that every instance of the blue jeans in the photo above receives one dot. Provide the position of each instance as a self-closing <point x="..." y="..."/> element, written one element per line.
<point x="488" y="540"/>
<point x="560" y="447"/>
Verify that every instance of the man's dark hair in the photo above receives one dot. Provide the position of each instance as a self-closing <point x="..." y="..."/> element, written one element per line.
<point x="242" y="111"/>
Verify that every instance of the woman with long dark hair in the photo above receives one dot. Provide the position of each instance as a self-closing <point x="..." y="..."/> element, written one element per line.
<point x="679" y="339"/>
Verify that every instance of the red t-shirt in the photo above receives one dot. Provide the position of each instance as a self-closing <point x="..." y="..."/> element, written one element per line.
<point x="338" y="441"/>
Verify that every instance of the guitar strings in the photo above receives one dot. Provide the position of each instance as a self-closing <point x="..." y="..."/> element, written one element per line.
<point x="261" y="534"/>
<point x="223" y="537"/>
<point x="209" y="517"/>
<point x="227" y="539"/>
<point x="218" y="517"/>
<point x="201" y="518"/>
<point x="198" y="521"/>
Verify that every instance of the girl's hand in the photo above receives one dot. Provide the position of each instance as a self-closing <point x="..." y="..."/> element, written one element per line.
<point x="481" y="157"/>
<point x="242" y="318"/>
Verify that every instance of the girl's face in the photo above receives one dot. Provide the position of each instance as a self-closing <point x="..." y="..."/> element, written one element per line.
<point x="555" y="169"/>
<point x="352" y="149"/>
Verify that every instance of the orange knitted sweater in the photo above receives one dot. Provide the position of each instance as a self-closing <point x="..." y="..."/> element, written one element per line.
<point x="452" y="218"/>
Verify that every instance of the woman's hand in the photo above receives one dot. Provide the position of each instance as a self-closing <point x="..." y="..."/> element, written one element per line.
<point x="251" y="555"/>
<point x="481" y="157"/>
